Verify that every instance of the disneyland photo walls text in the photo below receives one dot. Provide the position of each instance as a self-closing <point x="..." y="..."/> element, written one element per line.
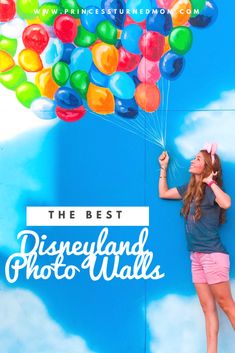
<point x="102" y="257"/>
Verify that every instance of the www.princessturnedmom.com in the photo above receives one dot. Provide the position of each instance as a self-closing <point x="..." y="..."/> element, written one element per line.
<point x="91" y="11"/>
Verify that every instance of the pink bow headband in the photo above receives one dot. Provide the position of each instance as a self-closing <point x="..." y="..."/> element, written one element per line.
<point x="211" y="148"/>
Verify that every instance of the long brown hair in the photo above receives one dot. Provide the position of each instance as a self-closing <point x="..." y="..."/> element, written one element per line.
<point x="196" y="190"/>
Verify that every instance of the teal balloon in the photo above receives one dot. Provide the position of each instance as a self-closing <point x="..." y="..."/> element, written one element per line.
<point x="44" y="108"/>
<point x="81" y="59"/>
<point x="121" y="85"/>
<point x="138" y="9"/>
<point x="84" y="38"/>
<point x="60" y="73"/>
<point x="107" y="32"/>
<point x="80" y="81"/>
<point x="180" y="40"/>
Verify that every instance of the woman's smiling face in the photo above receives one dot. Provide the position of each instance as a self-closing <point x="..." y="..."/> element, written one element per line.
<point x="197" y="164"/>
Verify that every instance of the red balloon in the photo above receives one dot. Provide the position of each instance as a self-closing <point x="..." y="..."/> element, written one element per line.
<point x="7" y="10"/>
<point x="65" y="27"/>
<point x="129" y="21"/>
<point x="35" y="37"/>
<point x="70" y="115"/>
<point x="127" y="61"/>
<point x="152" y="45"/>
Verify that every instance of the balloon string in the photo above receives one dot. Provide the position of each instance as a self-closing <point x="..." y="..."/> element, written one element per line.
<point x="134" y="129"/>
<point x="166" y="113"/>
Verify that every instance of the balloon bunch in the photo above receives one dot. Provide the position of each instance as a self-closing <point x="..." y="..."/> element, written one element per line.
<point x="108" y="55"/>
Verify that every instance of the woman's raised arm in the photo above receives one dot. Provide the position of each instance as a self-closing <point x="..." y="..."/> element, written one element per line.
<point x="164" y="191"/>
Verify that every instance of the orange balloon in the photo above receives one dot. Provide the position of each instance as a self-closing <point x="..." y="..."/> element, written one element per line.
<point x="119" y="33"/>
<point x="166" y="46"/>
<point x="100" y="99"/>
<point x="181" y="11"/>
<point x="105" y="57"/>
<point x="30" y="60"/>
<point x="45" y="83"/>
<point x="147" y="97"/>
<point x="6" y="61"/>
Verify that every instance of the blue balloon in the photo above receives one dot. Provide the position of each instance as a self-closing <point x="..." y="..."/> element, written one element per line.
<point x="171" y="65"/>
<point x="159" y="22"/>
<point x="41" y="2"/>
<point x="53" y="53"/>
<point x="66" y="97"/>
<point x="121" y="85"/>
<point x="206" y="17"/>
<point x="44" y="108"/>
<point x="154" y="4"/>
<point x="85" y="3"/>
<point x="97" y="77"/>
<point x="127" y="108"/>
<point x="134" y="75"/>
<point x="138" y="9"/>
<point x="115" y="11"/>
<point x="92" y="18"/>
<point x="68" y="49"/>
<point x="81" y="59"/>
<point x="118" y="44"/>
<point x="130" y="38"/>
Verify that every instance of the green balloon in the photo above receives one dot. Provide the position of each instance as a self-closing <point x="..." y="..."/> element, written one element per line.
<point x="72" y="6"/>
<point x="26" y="93"/>
<point x="181" y="39"/>
<point x="13" y="78"/>
<point x="8" y="44"/>
<point x="107" y="32"/>
<point x="48" y="13"/>
<point x="60" y="73"/>
<point x="27" y="9"/>
<point x="84" y="38"/>
<point x="79" y="80"/>
<point x="197" y="6"/>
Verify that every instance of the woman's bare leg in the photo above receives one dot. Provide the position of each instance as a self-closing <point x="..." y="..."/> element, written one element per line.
<point x="223" y="296"/>
<point x="208" y="305"/>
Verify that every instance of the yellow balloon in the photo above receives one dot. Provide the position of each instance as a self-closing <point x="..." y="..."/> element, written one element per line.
<point x="181" y="11"/>
<point x="30" y="60"/>
<point x="100" y="99"/>
<point x="6" y="61"/>
<point x="34" y="21"/>
<point x="105" y="57"/>
<point x="44" y="81"/>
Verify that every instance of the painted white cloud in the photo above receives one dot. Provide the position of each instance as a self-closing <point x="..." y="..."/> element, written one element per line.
<point x="26" y="327"/>
<point x="22" y="136"/>
<point x="19" y="159"/>
<point x="177" y="325"/>
<point x="215" y="124"/>
<point x="16" y="119"/>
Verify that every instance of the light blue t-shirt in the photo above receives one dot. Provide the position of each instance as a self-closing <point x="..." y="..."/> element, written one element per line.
<point x="203" y="235"/>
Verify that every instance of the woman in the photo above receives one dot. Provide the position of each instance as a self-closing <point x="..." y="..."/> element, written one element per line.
<point x="204" y="205"/>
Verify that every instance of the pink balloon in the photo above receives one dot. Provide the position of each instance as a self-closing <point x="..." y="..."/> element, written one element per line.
<point x="165" y="3"/>
<point x="148" y="71"/>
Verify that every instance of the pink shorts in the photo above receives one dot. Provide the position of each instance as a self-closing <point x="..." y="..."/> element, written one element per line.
<point x="210" y="268"/>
